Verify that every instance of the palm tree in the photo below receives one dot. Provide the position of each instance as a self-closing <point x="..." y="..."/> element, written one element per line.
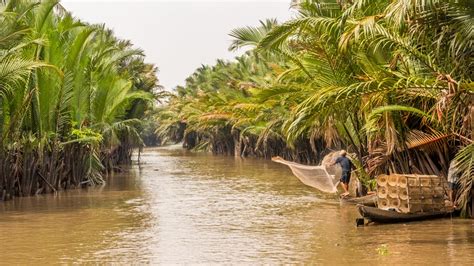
<point x="66" y="92"/>
<point x="389" y="81"/>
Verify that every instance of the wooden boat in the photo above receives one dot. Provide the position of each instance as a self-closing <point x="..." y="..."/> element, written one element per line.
<point x="383" y="216"/>
<point x="369" y="200"/>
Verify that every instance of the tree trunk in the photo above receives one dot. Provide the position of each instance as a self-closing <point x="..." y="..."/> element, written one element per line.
<point x="237" y="146"/>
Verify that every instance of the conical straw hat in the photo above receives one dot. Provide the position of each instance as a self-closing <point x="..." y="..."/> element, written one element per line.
<point x="413" y="181"/>
<point x="393" y="192"/>
<point x="402" y="182"/>
<point x="403" y="194"/>
<point x="395" y="203"/>
<point x="439" y="191"/>
<point x="425" y="181"/>
<point x="382" y="192"/>
<point x="427" y="191"/>
<point x="383" y="204"/>
<point x="393" y="180"/>
<point x="382" y="180"/>
<point x="404" y="206"/>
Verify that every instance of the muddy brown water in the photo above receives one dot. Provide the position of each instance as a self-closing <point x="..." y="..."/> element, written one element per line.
<point x="178" y="207"/>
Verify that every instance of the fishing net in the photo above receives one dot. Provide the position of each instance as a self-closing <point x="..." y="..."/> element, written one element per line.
<point x="324" y="178"/>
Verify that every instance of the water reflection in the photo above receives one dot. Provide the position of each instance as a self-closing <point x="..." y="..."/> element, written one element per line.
<point x="180" y="207"/>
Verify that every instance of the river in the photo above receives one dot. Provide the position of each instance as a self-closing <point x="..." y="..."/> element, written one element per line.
<point x="177" y="207"/>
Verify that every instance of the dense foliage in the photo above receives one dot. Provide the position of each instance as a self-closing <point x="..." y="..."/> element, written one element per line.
<point x="391" y="81"/>
<point x="71" y="95"/>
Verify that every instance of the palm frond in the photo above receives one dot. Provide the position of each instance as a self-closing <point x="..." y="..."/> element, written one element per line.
<point x="465" y="165"/>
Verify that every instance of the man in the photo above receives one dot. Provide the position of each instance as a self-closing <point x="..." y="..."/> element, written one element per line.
<point x="453" y="181"/>
<point x="346" y="166"/>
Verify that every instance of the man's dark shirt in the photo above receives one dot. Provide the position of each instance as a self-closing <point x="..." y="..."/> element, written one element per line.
<point x="345" y="163"/>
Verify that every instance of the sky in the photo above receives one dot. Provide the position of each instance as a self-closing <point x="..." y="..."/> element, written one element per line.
<point x="179" y="36"/>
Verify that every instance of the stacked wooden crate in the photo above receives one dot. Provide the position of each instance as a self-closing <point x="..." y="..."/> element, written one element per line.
<point x="411" y="193"/>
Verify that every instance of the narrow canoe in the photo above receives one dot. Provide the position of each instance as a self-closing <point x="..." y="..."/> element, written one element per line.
<point x="382" y="216"/>
<point x="369" y="200"/>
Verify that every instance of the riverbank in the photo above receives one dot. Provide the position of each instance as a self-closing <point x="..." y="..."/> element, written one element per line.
<point x="178" y="207"/>
<point x="72" y="96"/>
